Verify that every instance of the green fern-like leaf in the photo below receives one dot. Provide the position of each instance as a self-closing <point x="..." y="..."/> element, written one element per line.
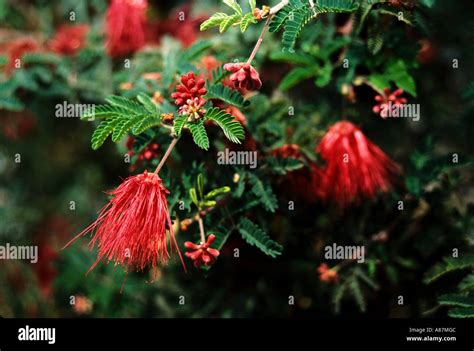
<point x="229" y="96"/>
<point x="357" y="293"/>
<point x="121" y="128"/>
<point x="199" y="134"/>
<point x="255" y="236"/>
<point x="127" y="104"/>
<point x="234" y="5"/>
<point x="293" y="26"/>
<point x="145" y="124"/>
<point x="214" y="21"/>
<point x="456" y="300"/>
<point x="228" y="22"/>
<point x="218" y="74"/>
<point x="462" y="312"/>
<point x="263" y="193"/>
<point x="122" y="116"/>
<point x="232" y="129"/>
<point x="179" y="123"/>
<point x="247" y="20"/>
<point x="448" y="265"/>
<point x="101" y="133"/>
<point x="147" y="102"/>
<point x="284" y="165"/>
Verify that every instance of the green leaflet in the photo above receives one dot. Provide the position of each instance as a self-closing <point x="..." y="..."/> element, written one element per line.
<point x="255" y="236"/>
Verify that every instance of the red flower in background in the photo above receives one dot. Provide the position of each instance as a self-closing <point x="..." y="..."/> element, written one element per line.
<point x="180" y="24"/>
<point x="326" y="274"/>
<point x="134" y="228"/>
<point x="355" y="167"/>
<point x="16" y="49"/>
<point x="388" y="101"/>
<point x="244" y="76"/>
<point x="299" y="182"/>
<point x="202" y="254"/>
<point x="192" y="87"/>
<point x="125" y="26"/>
<point x="68" y="39"/>
<point x="18" y="125"/>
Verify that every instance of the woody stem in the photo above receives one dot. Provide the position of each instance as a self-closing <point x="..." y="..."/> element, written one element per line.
<point x="201" y="229"/>
<point x="260" y="39"/>
<point x="167" y="153"/>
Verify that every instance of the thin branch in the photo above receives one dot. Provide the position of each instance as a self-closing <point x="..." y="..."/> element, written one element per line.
<point x="272" y="13"/>
<point x="167" y="153"/>
<point x="201" y="230"/>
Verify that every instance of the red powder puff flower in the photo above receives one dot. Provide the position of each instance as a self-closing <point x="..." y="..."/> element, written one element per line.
<point x="134" y="228"/>
<point x="202" y="253"/>
<point x="16" y="49"/>
<point x="68" y="39"/>
<point x="192" y="87"/>
<point x="388" y="102"/>
<point x="355" y="167"/>
<point x="326" y="274"/>
<point x="243" y="76"/>
<point x="125" y="26"/>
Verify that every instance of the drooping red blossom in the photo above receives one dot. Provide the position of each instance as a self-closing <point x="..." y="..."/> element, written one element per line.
<point x="355" y="167"/>
<point x="16" y="49"/>
<point x="244" y="76"/>
<point x="125" y="26"/>
<point x="192" y="87"/>
<point x="68" y="39"/>
<point x="326" y="274"/>
<point x="388" y="101"/>
<point x="302" y="183"/>
<point x="202" y="254"/>
<point x="134" y="229"/>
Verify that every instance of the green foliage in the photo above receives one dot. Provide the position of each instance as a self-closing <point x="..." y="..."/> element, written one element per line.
<point x="293" y="17"/>
<point x="225" y="21"/>
<point x="229" y="96"/>
<point x="232" y="129"/>
<point x="199" y="133"/>
<point x="255" y="236"/>
<point x="449" y="264"/>
<point x="284" y="165"/>
<point x="201" y="200"/>
<point x="121" y="116"/>
<point x="264" y="193"/>
<point x="396" y="71"/>
<point x="426" y="168"/>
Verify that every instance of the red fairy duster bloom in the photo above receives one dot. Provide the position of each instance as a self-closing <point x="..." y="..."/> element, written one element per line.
<point x="202" y="253"/>
<point x="244" y="76"/>
<point x="192" y="87"/>
<point x="388" y="101"/>
<point x="134" y="228"/>
<point x="355" y="167"/>
<point x="125" y="26"/>
<point x="68" y="39"/>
